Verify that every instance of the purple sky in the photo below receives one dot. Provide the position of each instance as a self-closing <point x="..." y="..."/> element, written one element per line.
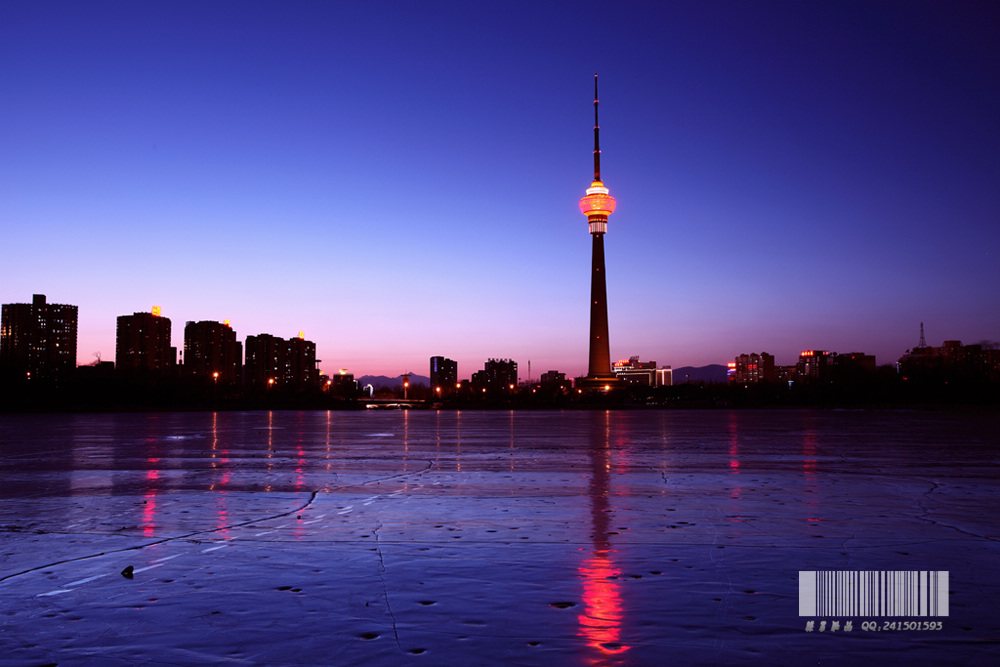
<point x="400" y="180"/>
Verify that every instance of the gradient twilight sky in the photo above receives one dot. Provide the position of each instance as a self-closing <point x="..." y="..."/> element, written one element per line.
<point x="400" y="180"/>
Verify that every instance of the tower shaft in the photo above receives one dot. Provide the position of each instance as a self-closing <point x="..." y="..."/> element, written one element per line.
<point x="600" y="350"/>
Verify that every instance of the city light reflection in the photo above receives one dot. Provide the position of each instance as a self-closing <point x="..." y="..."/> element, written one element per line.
<point x="809" y="442"/>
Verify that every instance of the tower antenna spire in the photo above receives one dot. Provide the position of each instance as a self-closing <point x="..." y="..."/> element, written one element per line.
<point x="923" y="343"/>
<point x="597" y="141"/>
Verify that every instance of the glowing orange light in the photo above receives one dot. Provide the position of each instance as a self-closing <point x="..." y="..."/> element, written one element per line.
<point x="226" y="322"/>
<point x="156" y="311"/>
<point x="597" y="201"/>
<point x="302" y="335"/>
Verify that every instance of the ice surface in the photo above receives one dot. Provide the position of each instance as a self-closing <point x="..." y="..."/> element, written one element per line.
<point x="626" y="537"/>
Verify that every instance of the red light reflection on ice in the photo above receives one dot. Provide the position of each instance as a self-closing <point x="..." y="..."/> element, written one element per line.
<point x="222" y="516"/>
<point x="149" y="499"/>
<point x="603" y="607"/>
<point x="809" y="471"/>
<point x="149" y="513"/>
<point x="601" y="620"/>
<point x="734" y="467"/>
<point x="300" y="478"/>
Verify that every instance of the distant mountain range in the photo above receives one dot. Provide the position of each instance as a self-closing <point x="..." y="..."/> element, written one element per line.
<point x="393" y="383"/>
<point x="711" y="373"/>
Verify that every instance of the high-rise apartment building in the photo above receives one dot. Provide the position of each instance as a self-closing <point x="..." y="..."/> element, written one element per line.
<point x="143" y="343"/>
<point x="755" y="368"/>
<point x="38" y="340"/>
<point x="813" y="365"/>
<point x="497" y="375"/>
<point x="211" y="351"/>
<point x="444" y="375"/>
<point x="302" y="372"/>
<point x="273" y="362"/>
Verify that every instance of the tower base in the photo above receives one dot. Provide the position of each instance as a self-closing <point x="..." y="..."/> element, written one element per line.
<point x="595" y="384"/>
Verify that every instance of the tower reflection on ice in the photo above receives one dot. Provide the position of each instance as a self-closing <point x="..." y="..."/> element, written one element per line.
<point x="603" y="612"/>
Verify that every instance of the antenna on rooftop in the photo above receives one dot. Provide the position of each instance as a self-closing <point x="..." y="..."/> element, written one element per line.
<point x="923" y="343"/>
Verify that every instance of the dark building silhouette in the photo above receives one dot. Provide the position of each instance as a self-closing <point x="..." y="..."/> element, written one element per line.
<point x="273" y="362"/>
<point x="813" y="365"/>
<point x="38" y="340"/>
<point x="265" y="360"/>
<point x="343" y="384"/>
<point x="951" y="361"/>
<point x="854" y="361"/>
<point x="498" y="375"/>
<point x="823" y="365"/>
<point x="211" y="351"/>
<point x="142" y="343"/>
<point x="302" y="371"/>
<point x="785" y="374"/>
<point x="444" y="375"/>
<point x="597" y="205"/>
<point x="755" y="368"/>
<point x="554" y="383"/>
<point x="552" y="378"/>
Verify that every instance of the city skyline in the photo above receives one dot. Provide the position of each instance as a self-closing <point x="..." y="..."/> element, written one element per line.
<point x="143" y="344"/>
<point x="403" y="184"/>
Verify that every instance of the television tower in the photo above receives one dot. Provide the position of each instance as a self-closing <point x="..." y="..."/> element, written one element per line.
<point x="597" y="205"/>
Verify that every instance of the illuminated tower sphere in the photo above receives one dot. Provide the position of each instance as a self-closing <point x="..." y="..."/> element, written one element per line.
<point x="597" y="205"/>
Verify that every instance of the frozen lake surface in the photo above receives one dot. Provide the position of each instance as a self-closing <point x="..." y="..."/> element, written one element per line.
<point x="531" y="538"/>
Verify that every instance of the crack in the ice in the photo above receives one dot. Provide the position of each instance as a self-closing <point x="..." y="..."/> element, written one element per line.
<point x="381" y="576"/>
<point x="405" y="473"/>
<point x="312" y="498"/>
<point x="924" y="516"/>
